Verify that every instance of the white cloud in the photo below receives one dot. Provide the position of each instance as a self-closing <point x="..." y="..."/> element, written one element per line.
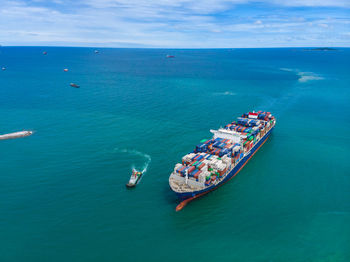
<point x="166" y="23"/>
<point x="313" y="3"/>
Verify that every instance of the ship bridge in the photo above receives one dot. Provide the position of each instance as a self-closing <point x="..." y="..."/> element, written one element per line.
<point x="227" y="134"/>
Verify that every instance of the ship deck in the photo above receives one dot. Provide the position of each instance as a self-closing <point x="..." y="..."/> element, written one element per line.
<point x="179" y="187"/>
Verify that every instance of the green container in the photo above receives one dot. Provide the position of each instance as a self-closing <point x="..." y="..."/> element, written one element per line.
<point x="250" y="138"/>
<point x="204" y="140"/>
<point x="210" y="169"/>
<point x="208" y="178"/>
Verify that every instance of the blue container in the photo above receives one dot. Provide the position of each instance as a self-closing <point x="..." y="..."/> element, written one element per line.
<point x="194" y="157"/>
<point x="200" y="157"/>
<point x="184" y="171"/>
<point x="216" y="144"/>
<point x="195" y="172"/>
<point x="221" y="145"/>
<point x="224" y="151"/>
<point x="218" y="139"/>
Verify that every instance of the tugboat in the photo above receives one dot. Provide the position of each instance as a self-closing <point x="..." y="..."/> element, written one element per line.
<point x="134" y="179"/>
<point x="74" y="85"/>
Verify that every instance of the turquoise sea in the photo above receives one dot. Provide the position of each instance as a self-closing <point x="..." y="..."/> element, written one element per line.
<point x="62" y="190"/>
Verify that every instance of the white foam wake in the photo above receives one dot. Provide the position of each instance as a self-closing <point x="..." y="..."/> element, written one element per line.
<point x="304" y="76"/>
<point x="226" y="93"/>
<point x="134" y="152"/>
<point x="307" y="76"/>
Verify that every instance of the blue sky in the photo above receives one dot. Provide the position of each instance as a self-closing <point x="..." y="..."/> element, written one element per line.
<point x="175" y="23"/>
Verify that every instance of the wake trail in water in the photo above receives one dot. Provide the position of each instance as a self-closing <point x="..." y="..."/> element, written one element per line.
<point x="304" y="76"/>
<point x="291" y="97"/>
<point x="134" y="152"/>
<point x="226" y="93"/>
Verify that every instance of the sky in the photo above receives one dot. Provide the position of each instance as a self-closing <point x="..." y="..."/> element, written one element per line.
<point x="175" y="23"/>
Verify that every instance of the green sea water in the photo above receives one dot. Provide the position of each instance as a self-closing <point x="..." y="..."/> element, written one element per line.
<point x="62" y="190"/>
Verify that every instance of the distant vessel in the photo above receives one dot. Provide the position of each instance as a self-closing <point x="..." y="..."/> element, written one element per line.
<point x="74" y="85"/>
<point x="3" y="68"/>
<point x="170" y="56"/>
<point x="217" y="160"/>
<point x="65" y="70"/>
<point x="96" y="51"/>
<point x="135" y="178"/>
<point x="16" y="135"/>
<point x="44" y="53"/>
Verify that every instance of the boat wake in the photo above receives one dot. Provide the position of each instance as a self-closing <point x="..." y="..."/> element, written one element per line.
<point x="291" y="96"/>
<point x="307" y="76"/>
<point x="16" y="135"/>
<point x="147" y="158"/>
<point x="226" y="93"/>
<point x="303" y="76"/>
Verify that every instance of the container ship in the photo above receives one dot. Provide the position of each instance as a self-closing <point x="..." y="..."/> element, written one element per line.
<point x="215" y="161"/>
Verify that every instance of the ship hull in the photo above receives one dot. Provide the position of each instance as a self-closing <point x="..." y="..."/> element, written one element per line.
<point x="233" y="173"/>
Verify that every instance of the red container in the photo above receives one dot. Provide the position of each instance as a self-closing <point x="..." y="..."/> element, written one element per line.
<point x="197" y="174"/>
<point x="191" y="169"/>
<point x="222" y="172"/>
<point x="182" y="168"/>
<point x="191" y="163"/>
<point x="201" y="166"/>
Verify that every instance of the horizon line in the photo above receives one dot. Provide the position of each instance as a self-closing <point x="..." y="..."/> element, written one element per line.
<point x="107" y="47"/>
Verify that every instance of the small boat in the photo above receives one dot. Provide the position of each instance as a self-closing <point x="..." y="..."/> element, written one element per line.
<point x="96" y="51"/>
<point x="65" y="70"/>
<point x="170" y="56"/>
<point x="44" y="53"/>
<point x="3" y="68"/>
<point x="135" y="178"/>
<point x="74" y="85"/>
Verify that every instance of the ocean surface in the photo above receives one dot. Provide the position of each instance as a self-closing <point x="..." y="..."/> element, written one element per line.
<point x="62" y="190"/>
